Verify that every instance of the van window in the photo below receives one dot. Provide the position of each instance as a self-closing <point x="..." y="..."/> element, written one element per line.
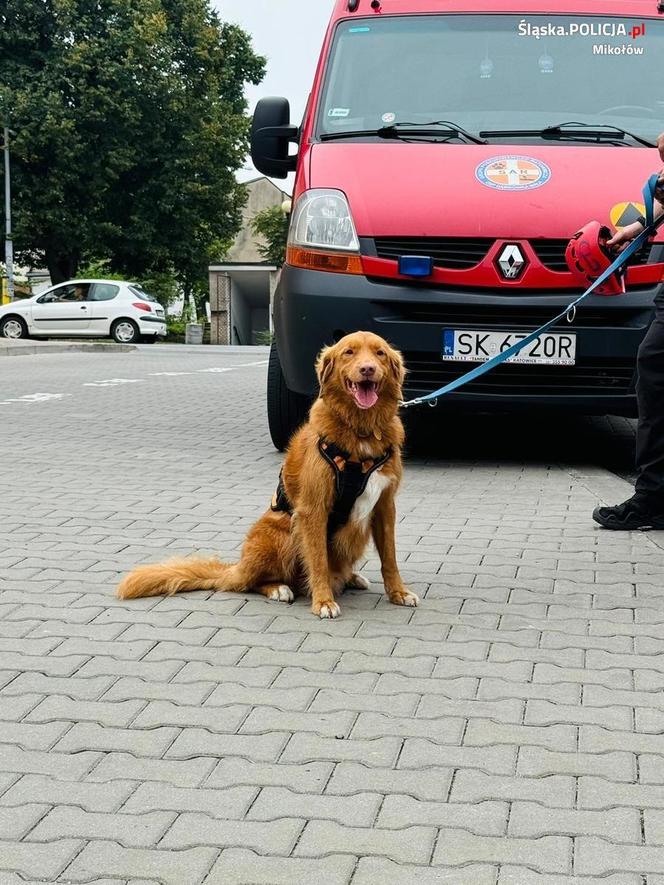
<point x="495" y="72"/>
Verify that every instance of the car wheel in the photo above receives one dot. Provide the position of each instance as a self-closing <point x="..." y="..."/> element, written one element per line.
<point x="13" y="327"/>
<point x="286" y="410"/>
<point x="125" y="332"/>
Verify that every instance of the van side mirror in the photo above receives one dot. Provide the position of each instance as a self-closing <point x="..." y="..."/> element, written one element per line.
<point x="271" y="135"/>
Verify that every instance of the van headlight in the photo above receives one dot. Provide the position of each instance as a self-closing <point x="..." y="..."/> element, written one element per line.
<point x="322" y="234"/>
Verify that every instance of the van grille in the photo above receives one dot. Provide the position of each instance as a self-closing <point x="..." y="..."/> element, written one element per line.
<point x="462" y="253"/>
<point x="587" y="378"/>
<point x="552" y="254"/>
<point x="513" y="318"/>
<point x="455" y="253"/>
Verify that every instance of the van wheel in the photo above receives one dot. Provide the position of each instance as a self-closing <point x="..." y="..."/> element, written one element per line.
<point x="286" y="410"/>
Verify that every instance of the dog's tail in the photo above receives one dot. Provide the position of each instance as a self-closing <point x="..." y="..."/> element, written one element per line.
<point x="179" y="575"/>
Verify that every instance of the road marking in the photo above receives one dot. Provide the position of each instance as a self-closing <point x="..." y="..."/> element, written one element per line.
<point x="34" y="398"/>
<point x="218" y="371"/>
<point x="111" y="382"/>
<point x="115" y="382"/>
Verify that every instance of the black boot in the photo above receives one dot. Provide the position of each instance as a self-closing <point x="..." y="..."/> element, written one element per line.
<point x="636" y="514"/>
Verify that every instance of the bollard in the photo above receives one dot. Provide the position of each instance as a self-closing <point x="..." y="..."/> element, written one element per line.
<point x="193" y="333"/>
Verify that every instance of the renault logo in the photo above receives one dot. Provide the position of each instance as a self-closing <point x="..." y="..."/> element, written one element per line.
<point x="512" y="262"/>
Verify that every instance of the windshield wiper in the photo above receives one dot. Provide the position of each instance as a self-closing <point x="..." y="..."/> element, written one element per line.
<point x="581" y="132"/>
<point x="435" y="129"/>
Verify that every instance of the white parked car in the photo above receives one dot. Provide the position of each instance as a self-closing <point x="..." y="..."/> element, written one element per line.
<point x="86" y="309"/>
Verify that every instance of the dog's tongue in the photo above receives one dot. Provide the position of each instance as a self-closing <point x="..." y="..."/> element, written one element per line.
<point x="366" y="394"/>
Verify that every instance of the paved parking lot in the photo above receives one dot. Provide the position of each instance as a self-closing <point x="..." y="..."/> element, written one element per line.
<point x="507" y="732"/>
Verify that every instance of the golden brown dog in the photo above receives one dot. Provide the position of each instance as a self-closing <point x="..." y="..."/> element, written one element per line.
<point x="353" y="431"/>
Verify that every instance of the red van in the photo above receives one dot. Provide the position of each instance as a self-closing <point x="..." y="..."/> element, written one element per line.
<point x="449" y="150"/>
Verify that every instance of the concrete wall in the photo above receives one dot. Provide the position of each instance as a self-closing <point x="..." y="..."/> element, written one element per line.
<point x="240" y="317"/>
<point x="262" y="194"/>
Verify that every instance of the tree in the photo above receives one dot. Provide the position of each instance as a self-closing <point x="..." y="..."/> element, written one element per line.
<point x="272" y="225"/>
<point x="131" y="121"/>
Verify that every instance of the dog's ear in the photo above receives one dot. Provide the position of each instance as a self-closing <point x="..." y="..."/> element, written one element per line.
<point x="397" y="365"/>
<point x="325" y="365"/>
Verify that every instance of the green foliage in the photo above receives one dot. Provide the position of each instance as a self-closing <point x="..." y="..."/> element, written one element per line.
<point x="164" y="285"/>
<point x="264" y="337"/>
<point x="272" y="225"/>
<point x="175" y="329"/>
<point x="131" y="120"/>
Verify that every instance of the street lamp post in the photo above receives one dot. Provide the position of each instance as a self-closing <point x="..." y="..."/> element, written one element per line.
<point x="9" y="247"/>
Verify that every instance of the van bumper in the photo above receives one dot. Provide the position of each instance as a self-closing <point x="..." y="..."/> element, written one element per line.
<point x="314" y="308"/>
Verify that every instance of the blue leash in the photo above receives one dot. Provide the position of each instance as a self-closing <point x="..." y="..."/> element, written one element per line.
<point x="623" y="258"/>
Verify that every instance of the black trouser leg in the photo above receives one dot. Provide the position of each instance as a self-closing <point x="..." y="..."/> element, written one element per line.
<point x="650" y="432"/>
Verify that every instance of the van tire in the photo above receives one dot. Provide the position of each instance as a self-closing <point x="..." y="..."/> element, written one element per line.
<point x="286" y="410"/>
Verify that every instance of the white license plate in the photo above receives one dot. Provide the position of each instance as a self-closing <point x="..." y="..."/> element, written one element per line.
<point x="471" y="346"/>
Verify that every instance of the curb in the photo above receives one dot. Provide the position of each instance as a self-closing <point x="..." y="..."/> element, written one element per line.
<point x="30" y="349"/>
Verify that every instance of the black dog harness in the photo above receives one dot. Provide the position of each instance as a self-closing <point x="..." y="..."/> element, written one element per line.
<point x="350" y="481"/>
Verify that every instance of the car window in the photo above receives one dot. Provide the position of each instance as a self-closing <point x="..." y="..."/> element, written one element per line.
<point x="103" y="292"/>
<point x="139" y="292"/>
<point x="68" y="292"/>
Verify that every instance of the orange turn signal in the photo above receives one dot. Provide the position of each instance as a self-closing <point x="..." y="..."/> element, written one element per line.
<point x="332" y="262"/>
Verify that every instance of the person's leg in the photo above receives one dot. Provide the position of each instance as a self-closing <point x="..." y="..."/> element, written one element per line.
<point x="650" y="433"/>
<point x="646" y="508"/>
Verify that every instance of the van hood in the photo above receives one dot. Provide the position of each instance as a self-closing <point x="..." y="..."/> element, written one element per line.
<point x="421" y="190"/>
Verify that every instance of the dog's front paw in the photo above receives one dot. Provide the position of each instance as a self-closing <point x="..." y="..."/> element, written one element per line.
<point x="404" y="597"/>
<point x="326" y="610"/>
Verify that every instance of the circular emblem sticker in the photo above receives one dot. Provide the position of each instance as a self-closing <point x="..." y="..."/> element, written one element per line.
<point x="513" y="173"/>
<point x="389" y="117"/>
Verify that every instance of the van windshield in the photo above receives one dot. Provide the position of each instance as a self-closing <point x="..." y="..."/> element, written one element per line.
<point x="495" y="72"/>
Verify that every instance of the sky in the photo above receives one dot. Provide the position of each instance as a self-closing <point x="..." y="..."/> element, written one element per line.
<point x="290" y="34"/>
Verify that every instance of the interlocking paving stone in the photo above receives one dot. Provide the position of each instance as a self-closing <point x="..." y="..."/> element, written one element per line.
<point x="303" y="778"/>
<point x="350" y="778"/>
<point x="410" y="845"/>
<point x="474" y="786"/>
<point x="531" y="819"/>
<point x="598" y="857"/>
<point x="86" y="795"/>
<point x="242" y="867"/>
<point x="510" y="875"/>
<point x="174" y="867"/>
<point x="472" y="740"/>
<point x="272" y="837"/>
<point x="134" y="831"/>
<point x="481" y="818"/>
<point x="371" y="870"/>
<point x="16" y="821"/>
<point x="181" y="773"/>
<point x="33" y="860"/>
<point x="273" y="803"/>
<point x="537" y="761"/>
<point x="231" y="803"/>
<point x="548" y="854"/>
